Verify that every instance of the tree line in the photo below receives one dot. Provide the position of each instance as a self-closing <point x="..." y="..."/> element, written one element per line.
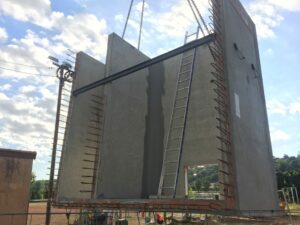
<point x="201" y="178"/>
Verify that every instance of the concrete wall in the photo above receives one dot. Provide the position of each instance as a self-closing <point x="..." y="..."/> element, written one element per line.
<point x="71" y="171"/>
<point x="15" y="176"/>
<point x="137" y="117"/>
<point x="121" y="158"/>
<point x="255" y="176"/>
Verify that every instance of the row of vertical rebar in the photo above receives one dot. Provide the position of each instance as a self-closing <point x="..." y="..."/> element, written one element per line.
<point x="64" y="115"/>
<point x="226" y="174"/>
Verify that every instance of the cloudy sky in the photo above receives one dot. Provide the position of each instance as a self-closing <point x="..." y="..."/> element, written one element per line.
<point x="31" y="30"/>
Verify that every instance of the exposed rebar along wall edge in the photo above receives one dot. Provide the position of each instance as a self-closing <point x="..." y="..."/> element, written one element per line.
<point x="194" y="44"/>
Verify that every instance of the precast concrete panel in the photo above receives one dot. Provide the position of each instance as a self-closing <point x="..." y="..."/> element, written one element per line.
<point x="72" y="170"/>
<point x="122" y="153"/>
<point x="253" y="160"/>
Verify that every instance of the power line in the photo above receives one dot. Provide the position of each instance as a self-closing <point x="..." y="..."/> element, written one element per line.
<point x="35" y="74"/>
<point x="24" y="64"/>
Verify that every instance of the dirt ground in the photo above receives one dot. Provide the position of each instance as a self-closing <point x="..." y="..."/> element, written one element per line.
<point x="60" y="218"/>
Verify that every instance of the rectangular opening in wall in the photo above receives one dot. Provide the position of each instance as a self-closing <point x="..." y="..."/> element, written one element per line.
<point x="203" y="182"/>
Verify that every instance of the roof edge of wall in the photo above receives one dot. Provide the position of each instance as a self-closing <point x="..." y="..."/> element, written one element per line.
<point x="17" y="153"/>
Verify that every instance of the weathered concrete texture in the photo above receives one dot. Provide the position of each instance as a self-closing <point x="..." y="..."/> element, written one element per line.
<point x="121" y="155"/>
<point x="71" y="172"/>
<point x="15" y="176"/>
<point x="255" y="176"/>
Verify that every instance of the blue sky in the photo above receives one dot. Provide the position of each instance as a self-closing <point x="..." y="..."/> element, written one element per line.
<point x="31" y="30"/>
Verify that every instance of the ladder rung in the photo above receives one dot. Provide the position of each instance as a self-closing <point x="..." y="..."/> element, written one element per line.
<point x="168" y="187"/>
<point x="172" y="149"/>
<point x="177" y="138"/>
<point x="184" y="72"/>
<point x="181" y="98"/>
<point x="86" y="176"/>
<point x="170" y="174"/>
<point x="180" y="107"/>
<point x="189" y="35"/>
<point x="172" y="162"/>
<point x="85" y="191"/>
<point x="185" y="57"/>
<point x="178" y="127"/>
<point x="178" y="117"/>
<point x="181" y="89"/>
<point x="181" y="81"/>
<point x="185" y="64"/>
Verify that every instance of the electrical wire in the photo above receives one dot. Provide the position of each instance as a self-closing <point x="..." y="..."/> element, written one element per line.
<point x="20" y="64"/>
<point x="34" y="74"/>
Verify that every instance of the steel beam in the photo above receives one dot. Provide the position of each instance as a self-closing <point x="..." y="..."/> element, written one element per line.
<point x="146" y="64"/>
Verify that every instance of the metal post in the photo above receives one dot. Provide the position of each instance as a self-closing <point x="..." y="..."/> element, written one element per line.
<point x="297" y="196"/>
<point x="292" y="190"/>
<point x="54" y="147"/>
<point x="186" y="182"/>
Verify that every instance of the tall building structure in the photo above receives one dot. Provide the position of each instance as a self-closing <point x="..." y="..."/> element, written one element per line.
<point x="125" y="120"/>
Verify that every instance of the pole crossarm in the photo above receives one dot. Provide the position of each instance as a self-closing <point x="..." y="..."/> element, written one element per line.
<point x="194" y="44"/>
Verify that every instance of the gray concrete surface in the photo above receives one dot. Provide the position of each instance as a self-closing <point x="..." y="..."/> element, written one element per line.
<point x="121" y="158"/>
<point x="70" y="177"/>
<point x="255" y="175"/>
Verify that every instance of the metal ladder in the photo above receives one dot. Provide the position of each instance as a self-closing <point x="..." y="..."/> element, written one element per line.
<point x="92" y="148"/>
<point x="176" y="132"/>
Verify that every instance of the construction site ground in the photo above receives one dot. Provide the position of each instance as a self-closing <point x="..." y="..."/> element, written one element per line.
<point x="60" y="218"/>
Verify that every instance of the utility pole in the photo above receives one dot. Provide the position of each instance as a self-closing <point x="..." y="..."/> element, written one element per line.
<point x="64" y="74"/>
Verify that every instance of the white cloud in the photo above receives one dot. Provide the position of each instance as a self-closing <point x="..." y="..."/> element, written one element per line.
<point x="279" y="135"/>
<point x="294" y="108"/>
<point x="34" y="11"/>
<point x="83" y="32"/>
<point x="5" y="87"/>
<point x="291" y="5"/>
<point x="274" y="106"/>
<point x="267" y="14"/>
<point x="3" y="34"/>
